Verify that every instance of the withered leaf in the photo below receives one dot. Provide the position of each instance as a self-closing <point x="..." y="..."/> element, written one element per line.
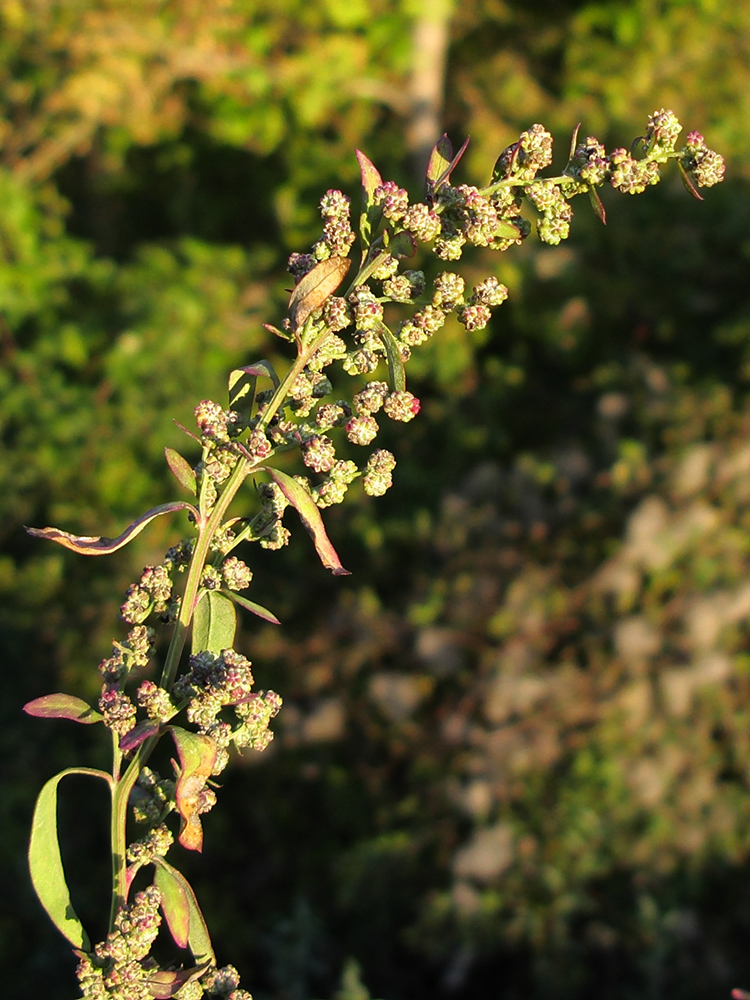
<point x="316" y="288"/>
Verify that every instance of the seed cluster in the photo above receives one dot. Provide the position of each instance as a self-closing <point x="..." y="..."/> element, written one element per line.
<point x="350" y="330"/>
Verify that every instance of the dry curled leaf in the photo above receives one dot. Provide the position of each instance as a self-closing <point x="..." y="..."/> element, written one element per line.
<point x="98" y="545"/>
<point x="316" y="288"/>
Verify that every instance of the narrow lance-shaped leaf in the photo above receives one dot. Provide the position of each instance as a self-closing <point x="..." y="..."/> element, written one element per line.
<point x="284" y="334"/>
<point x="574" y="142"/>
<point x="251" y="606"/>
<point x="174" y="902"/>
<point x="181" y="469"/>
<point x="596" y="204"/>
<point x="396" y="373"/>
<point x="214" y="623"/>
<point x="440" y="159"/>
<point x="186" y="915"/>
<point x="62" y="706"/>
<point x="197" y="755"/>
<point x="309" y="514"/>
<point x="139" y="734"/>
<point x="45" y="862"/>
<point x="242" y="382"/>
<point x="317" y="286"/>
<point x="442" y="163"/>
<point x="98" y="545"/>
<point x="688" y="182"/>
<point x="371" y="213"/>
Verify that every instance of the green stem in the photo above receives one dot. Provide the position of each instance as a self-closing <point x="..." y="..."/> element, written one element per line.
<point x="511" y="182"/>
<point x="123" y="786"/>
<point x="207" y="528"/>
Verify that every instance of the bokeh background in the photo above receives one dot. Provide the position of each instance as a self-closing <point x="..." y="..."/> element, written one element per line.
<point x="514" y="757"/>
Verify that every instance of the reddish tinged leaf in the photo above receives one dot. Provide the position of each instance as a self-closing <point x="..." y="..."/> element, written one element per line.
<point x="174" y="903"/>
<point x="239" y="378"/>
<point x="688" y="182"/>
<point x="62" y="706"/>
<point x="197" y="755"/>
<point x="181" y="469"/>
<point x="98" y="545"/>
<point x="309" y="514"/>
<point x="371" y="213"/>
<point x="574" y="142"/>
<point x="442" y="163"/>
<point x="316" y="288"/>
<point x="184" y="911"/>
<point x="184" y="430"/>
<point x="277" y="333"/>
<point x="596" y="204"/>
<point x="45" y="861"/>
<point x="371" y="178"/>
<point x="139" y="734"/>
<point x="440" y="159"/>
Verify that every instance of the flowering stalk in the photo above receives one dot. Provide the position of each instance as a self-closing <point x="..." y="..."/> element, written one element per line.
<point x="205" y="700"/>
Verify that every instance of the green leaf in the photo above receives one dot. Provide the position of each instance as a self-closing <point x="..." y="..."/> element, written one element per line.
<point x="197" y="755"/>
<point x="62" y="706"/>
<point x="396" y="373"/>
<point x="506" y="230"/>
<point x="174" y="901"/>
<point x="181" y="469"/>
<point x="440" y="159"/>
<point x="242" y="382"/>
<point x="371" y="213"/>
<point x="309" y="514"/>
<point x="441" y="164"/>
<point x="214" y="623"/>
<point x="371" y="178"/>
<point x="45" y="862"/>
<point x="251" y="606"/>
<point x="401" y="245"/>
<point x="184" y="914"/>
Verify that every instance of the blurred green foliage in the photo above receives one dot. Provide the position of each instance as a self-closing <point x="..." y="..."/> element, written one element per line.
<point x="513" y="758"/>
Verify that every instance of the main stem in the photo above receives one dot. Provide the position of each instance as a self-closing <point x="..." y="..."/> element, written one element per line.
<point x="207" y="528"/>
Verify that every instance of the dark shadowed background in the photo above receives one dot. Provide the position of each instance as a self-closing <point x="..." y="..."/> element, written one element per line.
<point x="514" y="756"/>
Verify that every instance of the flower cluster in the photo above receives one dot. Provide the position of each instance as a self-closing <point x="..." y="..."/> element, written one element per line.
<point x="152" y="593"/>
<point x="222" y="984"/>
<point x="215" y="683"/>
<point x="351" y="327"/>
<point x="337" y="231"/>
<point x="706" y="165"/>
<point x="152" y="797"/>
<point x="117" y="709"/>
<point x="330" y="324"/>
<point x="155" y="844"/>
<point x="118" y="968"/>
